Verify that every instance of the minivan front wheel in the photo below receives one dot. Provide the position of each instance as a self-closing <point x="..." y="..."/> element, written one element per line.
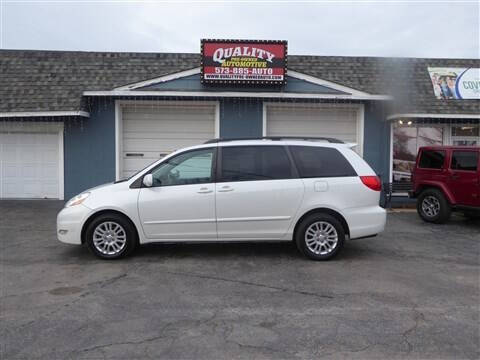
<point x="432" y="206"/>
<point x="320" y="236"/>
<point x="110" y="236"/>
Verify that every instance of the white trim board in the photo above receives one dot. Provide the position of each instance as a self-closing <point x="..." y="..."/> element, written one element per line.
<point x="326" y="83"/>
<point x="236" y="94"/>
<point x="44" y="113"/>
<point x="119" y="123"/>
<point x="438" y="116"/>
<point x="291" y="73"/>
<point x="160" y="79"/>
<point x="360" y="109"/>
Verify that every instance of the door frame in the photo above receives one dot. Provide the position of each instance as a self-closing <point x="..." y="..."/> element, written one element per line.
<point x="120" y="104"/>
<point x="48" y="128"/>
<point x="359" y="108"/>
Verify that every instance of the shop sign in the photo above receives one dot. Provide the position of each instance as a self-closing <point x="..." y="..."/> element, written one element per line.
<point x="455" y="83"/>
<point x="244" y="62"/>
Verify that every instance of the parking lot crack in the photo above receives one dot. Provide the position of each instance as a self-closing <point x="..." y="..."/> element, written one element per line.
<point x="417" y="317"/>
<point x="249" y="283"/>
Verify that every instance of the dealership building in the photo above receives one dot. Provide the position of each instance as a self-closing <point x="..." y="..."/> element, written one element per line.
<point x="73" y="120"/>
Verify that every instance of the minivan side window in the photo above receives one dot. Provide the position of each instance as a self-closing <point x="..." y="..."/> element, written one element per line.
<point x="251" y="163"/>
<point x="314" y="161"/>
<point x="191" y="167"/>
<point x="431" y="159"/>
<point x="465" y="160"/>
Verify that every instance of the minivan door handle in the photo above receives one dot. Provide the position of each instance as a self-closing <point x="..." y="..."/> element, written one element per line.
<point x="204" y="190"/>
<point x="225" y="188"/>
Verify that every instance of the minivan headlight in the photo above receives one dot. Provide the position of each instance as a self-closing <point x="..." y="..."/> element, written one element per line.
<point x="77" y="200"/>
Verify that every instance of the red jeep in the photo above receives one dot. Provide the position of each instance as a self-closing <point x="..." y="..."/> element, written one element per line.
<point x="446" y="179"/>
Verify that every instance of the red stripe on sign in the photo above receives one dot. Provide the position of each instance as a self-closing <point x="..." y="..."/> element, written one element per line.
<point x="245" y="49"/>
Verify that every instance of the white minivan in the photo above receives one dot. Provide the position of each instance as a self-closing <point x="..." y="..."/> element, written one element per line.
<point x="316" y="192"/>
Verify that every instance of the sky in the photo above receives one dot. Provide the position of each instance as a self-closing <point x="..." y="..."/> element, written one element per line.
<point x="441" y="29"/>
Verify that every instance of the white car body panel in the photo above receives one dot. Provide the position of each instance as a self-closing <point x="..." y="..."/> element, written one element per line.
<point x="183" y="212"/>
<point x="261" y="209"/>
<point x="253" y="210"/>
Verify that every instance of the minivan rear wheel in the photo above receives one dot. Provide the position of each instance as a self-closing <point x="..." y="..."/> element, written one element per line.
<point x="432" y="206"/>
<point x="320" y="236"/>
<point x="110" y="236"/>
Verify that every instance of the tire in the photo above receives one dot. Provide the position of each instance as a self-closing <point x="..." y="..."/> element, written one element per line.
<point x="111" y="236"/>
<point x="433" y="207"/>
<point x="310" y="232"/>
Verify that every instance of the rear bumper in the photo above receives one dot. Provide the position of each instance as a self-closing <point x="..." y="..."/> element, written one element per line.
<point x="70" y="222"/>
<point x="366" y="221"/>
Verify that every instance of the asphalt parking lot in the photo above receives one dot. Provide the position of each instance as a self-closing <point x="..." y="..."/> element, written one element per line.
<point x="412" y="292"/>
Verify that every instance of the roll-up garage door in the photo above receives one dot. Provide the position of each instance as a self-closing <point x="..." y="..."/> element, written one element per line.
<point x="29" y="165"/>
<point x="151" y="132"/>
<point x="312" y="120"/>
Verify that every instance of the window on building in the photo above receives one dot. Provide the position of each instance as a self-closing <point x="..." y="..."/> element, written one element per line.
<point x="406" y="142"/>
<point x="192" y="167"/>
<point x="430" y="159"/>
<point x="321" y="162"/>
<point x="250" y="163"/>
<point x="466" y="135"/>
<point x="465" y="160"/>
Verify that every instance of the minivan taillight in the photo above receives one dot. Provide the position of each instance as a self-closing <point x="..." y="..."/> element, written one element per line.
<point x="372" y="182"/>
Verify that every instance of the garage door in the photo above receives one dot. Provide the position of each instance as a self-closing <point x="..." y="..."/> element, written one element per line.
<point x="151" y="132"/>
<point x="29" y="165"/>
<point x="310" y="120"/>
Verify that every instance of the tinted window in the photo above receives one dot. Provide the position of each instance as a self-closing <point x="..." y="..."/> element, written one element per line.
<point x="193" y="167"/>
<point x="249" y="163"/>
<point x="465" y="160"/>
<point x="431" y="159"/>
<point x="321" y="162"/>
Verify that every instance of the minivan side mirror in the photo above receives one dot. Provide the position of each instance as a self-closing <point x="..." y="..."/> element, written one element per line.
<point x="148" y="180"/>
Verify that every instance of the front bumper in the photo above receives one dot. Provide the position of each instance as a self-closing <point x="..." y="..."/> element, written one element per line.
<point x="69" y="223"/>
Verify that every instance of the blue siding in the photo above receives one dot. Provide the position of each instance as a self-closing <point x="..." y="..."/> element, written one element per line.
<point x="376" y="139"/>
<point x="89" y="149"/>
<point x="193" y="83"/>
<point x="241" y="118"/>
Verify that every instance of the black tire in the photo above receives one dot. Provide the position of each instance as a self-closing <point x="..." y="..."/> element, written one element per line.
<point x="438" y="216"/>
<point x="103" y="220"/>
<point x="300" y="236"/>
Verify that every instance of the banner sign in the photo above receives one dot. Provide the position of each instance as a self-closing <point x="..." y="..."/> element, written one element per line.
<point x="455" y="83"/>
<point x="244" y="62"/>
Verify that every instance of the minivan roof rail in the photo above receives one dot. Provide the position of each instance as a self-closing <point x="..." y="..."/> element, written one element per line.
<point x="278" y="138"/>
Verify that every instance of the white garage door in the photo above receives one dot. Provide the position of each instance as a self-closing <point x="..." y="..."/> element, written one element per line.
<point x="151" y="132"/>
<point x="312" y="120"/>
<point x="29" y="165"/>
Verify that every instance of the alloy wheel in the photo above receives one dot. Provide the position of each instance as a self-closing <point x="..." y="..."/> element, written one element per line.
<point x="109" y="238"/>
<point x="321" y="238"/>
<point x="430" y="206"/>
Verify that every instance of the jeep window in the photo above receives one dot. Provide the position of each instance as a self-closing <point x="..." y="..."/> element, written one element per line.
<point x="465" y="160"/>
<point x="250" y="163"/>
<point x="431" y="159"/>
<point x="313" y="161"/>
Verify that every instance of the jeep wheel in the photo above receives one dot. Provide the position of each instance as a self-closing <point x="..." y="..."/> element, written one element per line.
<point x="432" y="206"/>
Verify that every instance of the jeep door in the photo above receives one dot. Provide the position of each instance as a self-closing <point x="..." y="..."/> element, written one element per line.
<point x="464" y="179"/>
